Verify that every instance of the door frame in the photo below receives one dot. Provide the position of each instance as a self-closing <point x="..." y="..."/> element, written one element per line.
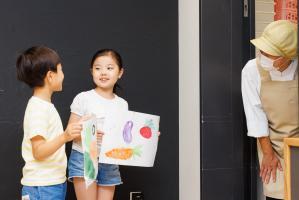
<point x="189" y="100"/>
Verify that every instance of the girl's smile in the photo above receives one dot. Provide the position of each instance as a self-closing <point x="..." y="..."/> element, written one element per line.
<point x="105" y="72"/>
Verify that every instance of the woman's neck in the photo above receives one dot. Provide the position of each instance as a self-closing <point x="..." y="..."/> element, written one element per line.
<point x="108" y="94"/>
<point x="43" y="93"/>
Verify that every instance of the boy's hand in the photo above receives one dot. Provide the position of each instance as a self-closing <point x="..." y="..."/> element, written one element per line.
<point x="80" y="122"/>
<point x="73" y="131"/>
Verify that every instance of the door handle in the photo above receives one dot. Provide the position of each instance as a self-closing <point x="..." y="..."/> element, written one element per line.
<point x="245" y="8"/>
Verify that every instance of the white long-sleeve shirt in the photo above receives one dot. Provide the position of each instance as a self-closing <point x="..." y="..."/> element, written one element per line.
<point x="257" y="123"/>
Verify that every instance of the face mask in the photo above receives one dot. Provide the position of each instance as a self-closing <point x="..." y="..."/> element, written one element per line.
<point x="267" y="63"/>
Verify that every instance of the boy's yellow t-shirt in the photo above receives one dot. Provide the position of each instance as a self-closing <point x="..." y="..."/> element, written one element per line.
<point x="41" y="118"/>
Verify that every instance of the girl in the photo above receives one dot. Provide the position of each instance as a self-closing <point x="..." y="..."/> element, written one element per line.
<point x="43" y="149"/>
<point x="106" y="68"/>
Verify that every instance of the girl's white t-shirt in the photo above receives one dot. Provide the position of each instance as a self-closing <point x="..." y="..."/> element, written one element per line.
<point x="90" y="102"/>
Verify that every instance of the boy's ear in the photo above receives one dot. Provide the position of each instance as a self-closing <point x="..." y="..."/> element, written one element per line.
<point x="49" y="76"/>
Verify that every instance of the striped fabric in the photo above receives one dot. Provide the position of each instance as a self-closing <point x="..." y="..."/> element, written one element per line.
<point x="41" y="118"/>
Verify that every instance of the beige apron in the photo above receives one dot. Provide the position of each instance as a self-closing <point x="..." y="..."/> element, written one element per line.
<point x="280" y="102"/>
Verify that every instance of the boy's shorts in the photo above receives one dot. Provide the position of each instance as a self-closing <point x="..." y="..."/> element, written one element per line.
<point x="52" y="192"/>
<point x="108" y="175"/>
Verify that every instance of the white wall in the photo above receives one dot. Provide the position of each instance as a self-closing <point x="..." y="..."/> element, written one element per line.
<point x="189" y="120"/>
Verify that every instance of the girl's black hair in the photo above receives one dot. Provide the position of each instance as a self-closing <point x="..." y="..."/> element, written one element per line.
<point x="115" y="56"/>
<point x="34" y="63"/>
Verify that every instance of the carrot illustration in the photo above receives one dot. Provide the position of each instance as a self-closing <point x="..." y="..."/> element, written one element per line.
<point x="124" y="153"/>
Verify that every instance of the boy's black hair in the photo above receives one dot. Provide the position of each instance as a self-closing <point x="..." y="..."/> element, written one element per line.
<point x="34" y="63"/>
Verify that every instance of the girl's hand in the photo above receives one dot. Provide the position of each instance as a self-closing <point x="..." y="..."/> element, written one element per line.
<point x="99" y="136"/>
<point x="158" y="133"/>
<point x="99" y="140"/>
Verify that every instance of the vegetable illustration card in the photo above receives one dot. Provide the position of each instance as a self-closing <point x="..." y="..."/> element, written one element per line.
<point x="89" y="144"/>
<point x="133" y="141"/>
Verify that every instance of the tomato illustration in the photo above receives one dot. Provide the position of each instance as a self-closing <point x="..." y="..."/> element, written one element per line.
<point x="146" y="132"/>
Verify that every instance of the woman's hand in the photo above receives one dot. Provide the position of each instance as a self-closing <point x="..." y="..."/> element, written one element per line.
<point x="269" y="166"/>
<point x="270" y="161"/>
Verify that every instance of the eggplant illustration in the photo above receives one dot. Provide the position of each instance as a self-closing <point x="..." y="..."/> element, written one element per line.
<point x="127" y="135"/>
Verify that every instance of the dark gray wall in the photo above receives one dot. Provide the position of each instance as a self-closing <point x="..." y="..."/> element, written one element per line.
<point x="294" y="172"/>
<point x="146" y="35"/>
<point x="226" y="154"/>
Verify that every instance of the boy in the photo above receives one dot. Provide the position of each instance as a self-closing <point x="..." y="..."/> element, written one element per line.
<point x="43" y="146"/>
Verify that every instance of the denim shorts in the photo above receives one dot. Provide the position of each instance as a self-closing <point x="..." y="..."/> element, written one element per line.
<point x="108" y="175"/>
<point x="52" y="192"/>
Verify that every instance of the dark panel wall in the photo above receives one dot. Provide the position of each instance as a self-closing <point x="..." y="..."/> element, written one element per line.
<point x="225" y="153"/>
<point x="146" y="35"/>
<point x="294" y="172"/>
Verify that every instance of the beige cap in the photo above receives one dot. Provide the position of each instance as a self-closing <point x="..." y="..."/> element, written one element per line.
<point x="278" y="39"/>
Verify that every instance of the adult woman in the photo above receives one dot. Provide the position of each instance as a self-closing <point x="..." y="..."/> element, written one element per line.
<point x="270" y="98"/>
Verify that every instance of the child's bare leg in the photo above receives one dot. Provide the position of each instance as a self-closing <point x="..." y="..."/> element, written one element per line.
<point x="83" y="193"/>
<point x="105" y="192"/>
